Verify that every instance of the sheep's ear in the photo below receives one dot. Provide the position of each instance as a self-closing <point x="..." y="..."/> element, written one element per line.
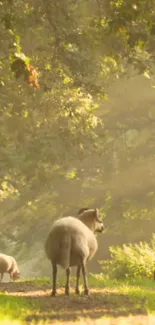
<point x="96" y="212"/>
<point x="82" y="210"/>
<point x="97" y="216"/>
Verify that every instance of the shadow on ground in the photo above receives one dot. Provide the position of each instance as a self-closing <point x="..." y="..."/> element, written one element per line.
<point x="100" y="303"/>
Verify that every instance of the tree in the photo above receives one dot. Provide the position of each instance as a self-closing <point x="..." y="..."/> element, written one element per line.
<point x="57" y="60"/>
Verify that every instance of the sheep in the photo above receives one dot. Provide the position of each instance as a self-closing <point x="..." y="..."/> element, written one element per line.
<point x="71" y="242"/>
<point x="9" y="265"/>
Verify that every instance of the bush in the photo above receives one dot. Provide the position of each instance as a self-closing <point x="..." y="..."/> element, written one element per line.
<point x="132" y="260"/>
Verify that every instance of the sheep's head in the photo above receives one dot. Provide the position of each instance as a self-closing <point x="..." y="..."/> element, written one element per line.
<point x="92" y="219"/>
<point x="98" y="223"/>
<point x="16" y="275"/>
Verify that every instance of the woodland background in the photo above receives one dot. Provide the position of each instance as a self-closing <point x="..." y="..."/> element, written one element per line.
<point x="77" y="121"/>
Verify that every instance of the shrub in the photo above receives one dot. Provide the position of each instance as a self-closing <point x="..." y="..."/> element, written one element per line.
<point x="132" y="260"/>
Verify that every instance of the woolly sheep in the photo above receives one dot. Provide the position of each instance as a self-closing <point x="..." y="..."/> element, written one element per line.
<point x="71" y="242"/>
<point x="8" y="265"/>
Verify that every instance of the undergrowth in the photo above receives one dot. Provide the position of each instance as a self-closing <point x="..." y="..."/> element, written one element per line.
<point x="131" y="260"/>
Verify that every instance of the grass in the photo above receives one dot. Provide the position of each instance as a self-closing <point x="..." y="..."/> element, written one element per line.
<point x="36" y="281"/>
<point x="12" y="309"/>
<point x="137" y="289"/>
<point x="109" y="299"/>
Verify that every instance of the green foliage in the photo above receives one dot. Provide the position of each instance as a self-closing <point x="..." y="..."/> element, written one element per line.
<point x="131" y="261"/>
<point x="61" y="146"/>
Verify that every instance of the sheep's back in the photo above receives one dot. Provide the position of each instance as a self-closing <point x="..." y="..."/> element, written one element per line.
<point x="5" y="263"/>
<point x="14" y="267"/>
<point x="69" y="229"/>
<point x="71" y="224"/>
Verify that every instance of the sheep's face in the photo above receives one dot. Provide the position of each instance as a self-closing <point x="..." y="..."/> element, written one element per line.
<point x="99" y="226"/>
<point x="91" y="218"/>
<point x="16" y="276"/>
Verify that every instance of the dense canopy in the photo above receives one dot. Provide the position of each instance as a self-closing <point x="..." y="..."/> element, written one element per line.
<point x="67" y="139"/>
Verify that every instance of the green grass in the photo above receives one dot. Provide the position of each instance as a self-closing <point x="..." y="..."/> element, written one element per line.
<point x="13" y="308"/>
<point x="137" y="289"/>
<point x="140" y="293"/>
<point x="37" y="281"/>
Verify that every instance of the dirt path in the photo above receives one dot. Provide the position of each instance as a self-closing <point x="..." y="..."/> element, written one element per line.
<point x="106" y="307"/>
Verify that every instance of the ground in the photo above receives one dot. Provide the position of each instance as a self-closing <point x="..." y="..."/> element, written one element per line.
<point x="30" y="301"/>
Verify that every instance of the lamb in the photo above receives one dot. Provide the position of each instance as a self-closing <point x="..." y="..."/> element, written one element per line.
<point x="9" y="265"/>
<point x="72" y="242"/>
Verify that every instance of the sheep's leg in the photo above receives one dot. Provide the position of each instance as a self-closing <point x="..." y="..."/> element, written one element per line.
<point x="54" y="279"/>
<point x="67" y="281"/>
<point x="86" y="289"/>
<point x="77" y="291"/>
<point x="2" y="274"/>
<point x="11" y="276"/>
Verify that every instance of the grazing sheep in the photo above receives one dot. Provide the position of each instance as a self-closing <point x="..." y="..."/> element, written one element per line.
<point x="71" y="242"/>
<point x="9" y="265"/>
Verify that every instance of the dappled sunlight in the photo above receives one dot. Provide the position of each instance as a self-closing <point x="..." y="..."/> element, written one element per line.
<point x="77" y="129"/>
<point x="129" y="320"/>
<point x="8" y="321"/>
<point x="114" y="302"/>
